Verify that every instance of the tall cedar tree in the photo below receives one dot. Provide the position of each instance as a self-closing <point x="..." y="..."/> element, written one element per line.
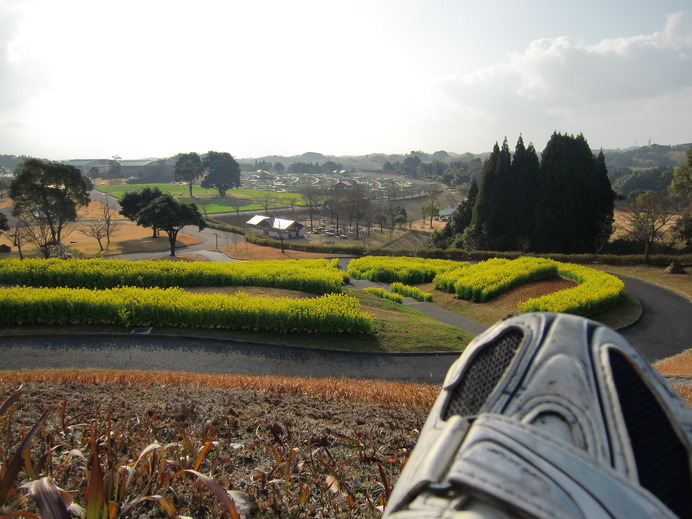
<point x="574" y="197"/>
<point x="476" y="234"/>
<point x="523" y="188"/>
<point x="562" y="204"/>
<point x="490" y="226"/>
<point x="223" y="172"/>
<point x="501" y="214"/>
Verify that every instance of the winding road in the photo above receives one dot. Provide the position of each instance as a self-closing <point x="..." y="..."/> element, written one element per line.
<point x="664" y="329"/>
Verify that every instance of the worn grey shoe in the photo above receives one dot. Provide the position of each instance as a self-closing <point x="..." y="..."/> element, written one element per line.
<point x="550" y="415"/>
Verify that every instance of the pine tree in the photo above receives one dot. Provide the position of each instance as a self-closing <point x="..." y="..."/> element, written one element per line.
<point x="477" y="233"/>
<point x="502" y="207"/>
<point x="524" y="176"/>
<point x="572" y="197"/>
<point x="604" y="197"/>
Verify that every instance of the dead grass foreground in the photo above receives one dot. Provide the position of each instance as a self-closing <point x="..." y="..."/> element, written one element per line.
<point x="418" y="396"/>
<point x="357" y="391"/>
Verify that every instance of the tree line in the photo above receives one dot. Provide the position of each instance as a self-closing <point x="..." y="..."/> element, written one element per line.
<point x="562" y="202"/>
<point x="218" y="170"/>
<point x="47" y="195"/>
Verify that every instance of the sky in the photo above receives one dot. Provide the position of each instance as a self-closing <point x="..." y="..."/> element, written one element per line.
<point x="147" y="78"/>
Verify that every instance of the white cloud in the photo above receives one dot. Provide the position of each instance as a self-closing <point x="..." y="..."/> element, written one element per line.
<point x="20" y="77"/>
<point x="560" y="69"/>
<point x="154" y="77"/>
<point x="565" y="85"/>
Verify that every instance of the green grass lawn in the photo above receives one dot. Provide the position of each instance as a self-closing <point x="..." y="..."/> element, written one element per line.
<point x="208" y="199"/>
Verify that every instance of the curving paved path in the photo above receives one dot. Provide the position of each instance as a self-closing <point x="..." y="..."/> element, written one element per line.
<point x="665" y="326"/>
<point x="199" y="355"/>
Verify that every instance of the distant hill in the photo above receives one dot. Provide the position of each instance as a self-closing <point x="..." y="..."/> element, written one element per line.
<point x="638" y="158"/>
<point x="361" y="163"/>
<point x="641" y="157"/>
<point x="644" y="168"/>
<point x="651" y="156"/>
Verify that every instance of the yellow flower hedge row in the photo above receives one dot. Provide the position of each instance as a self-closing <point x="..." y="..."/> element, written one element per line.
<point x="597" y="292"/>
<point x="315" y="276"/>
<point x="488" y="279"/>
<point x="409" y="291"/>
<point x="173" y="307"/>
<point x="399" y="268"/>
<point x="383" y="294"/>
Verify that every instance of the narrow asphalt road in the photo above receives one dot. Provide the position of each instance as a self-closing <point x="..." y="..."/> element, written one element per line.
<point x="665" y="326"/>
<point x="198" y="355"/>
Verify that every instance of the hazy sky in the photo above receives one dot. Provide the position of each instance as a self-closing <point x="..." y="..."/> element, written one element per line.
<point x="150" y="78"/>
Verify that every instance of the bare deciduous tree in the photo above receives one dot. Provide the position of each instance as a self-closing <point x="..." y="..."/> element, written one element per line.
<point x="647" y="214"/>
<point x="20" y="235"/>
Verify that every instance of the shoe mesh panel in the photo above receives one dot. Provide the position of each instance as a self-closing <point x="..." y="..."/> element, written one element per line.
<point x="661" y="458"/>
<point x="482" y="374"/>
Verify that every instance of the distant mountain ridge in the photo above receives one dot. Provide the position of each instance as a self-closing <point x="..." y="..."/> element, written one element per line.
<point x="636" y="158"/>
<point x="640" y="157"/>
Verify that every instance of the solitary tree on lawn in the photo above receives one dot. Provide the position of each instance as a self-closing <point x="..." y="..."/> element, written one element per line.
<point x="188" y="168"/>
<point x="223" y="172"/>
<point x="169" y="215"/>
<point x="133" y="202"/>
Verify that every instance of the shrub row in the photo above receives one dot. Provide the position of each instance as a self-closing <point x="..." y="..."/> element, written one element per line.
<point x="315" y="276"/>
<point x="401" y="269"/>
<point x="383" y="294"/>
<point x="409" y="291"/>
<point x="597" y="292"/>
<point x="660" y="260"/>
<point x="444" y="281"/>
<point x="488" y="279"/>
<point x="173" y="307"/>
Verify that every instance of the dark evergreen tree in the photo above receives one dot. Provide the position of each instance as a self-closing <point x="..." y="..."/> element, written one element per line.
<point x="604" y="204"/>
<point x="562" y="204"/>
<point x="502" y="203"/>
<point x="169" y="215"/>
<point x="476" y="234"/>
<point x="573" y="189"/>
<point x="411" y="164"/>
<point x="524" y="174"/>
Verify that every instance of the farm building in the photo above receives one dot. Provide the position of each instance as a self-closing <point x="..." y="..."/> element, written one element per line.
<point x="347" y="185"/>
<point x="275" y="227"/>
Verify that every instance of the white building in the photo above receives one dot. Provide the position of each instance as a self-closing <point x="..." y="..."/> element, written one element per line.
<point x="275" y="227"/>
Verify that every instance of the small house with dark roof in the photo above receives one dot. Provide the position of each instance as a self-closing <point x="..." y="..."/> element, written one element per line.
<point x="347" y="185"/>
<point x="275" y="227"/>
